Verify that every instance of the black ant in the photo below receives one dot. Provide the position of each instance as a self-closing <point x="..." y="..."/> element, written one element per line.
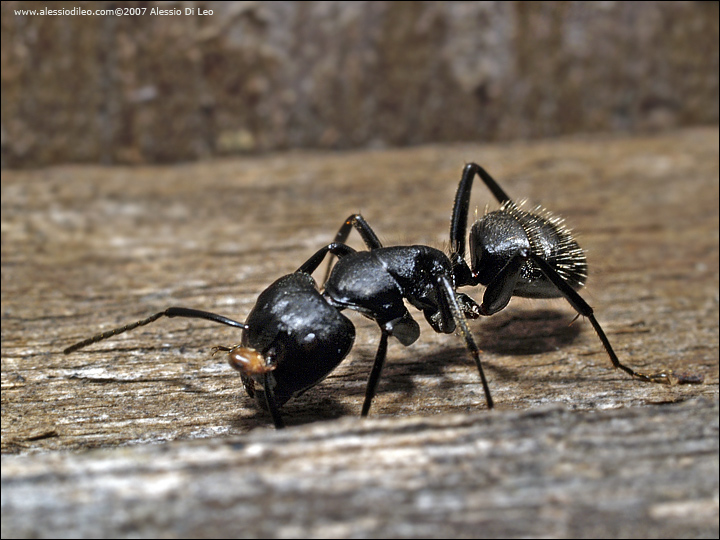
<point x="514" y="252"/>
<point x="296" y="335"/>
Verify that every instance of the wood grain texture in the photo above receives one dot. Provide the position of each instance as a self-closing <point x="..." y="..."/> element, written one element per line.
<point x="547" y="472"/>
<point x="85" y="249"/>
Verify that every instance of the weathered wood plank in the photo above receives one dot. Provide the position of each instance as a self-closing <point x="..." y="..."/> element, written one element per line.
<point x="88" y="248"/>
<point x="549" y="472"/>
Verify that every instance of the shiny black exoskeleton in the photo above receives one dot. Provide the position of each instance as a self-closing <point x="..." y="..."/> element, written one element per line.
<point x="514" y="252"/>
<point x="301" y="335"/>
<point x="376" y="282"/>
<point x="292" y="339"/>
<point x="296" y="335"/>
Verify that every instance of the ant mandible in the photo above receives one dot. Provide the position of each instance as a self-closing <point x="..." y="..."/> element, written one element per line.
<point x="296" y="335"/>
<point x="514" y="252"/>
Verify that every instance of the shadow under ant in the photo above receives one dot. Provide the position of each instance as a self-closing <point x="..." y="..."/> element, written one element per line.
<point x="527" y="332"/>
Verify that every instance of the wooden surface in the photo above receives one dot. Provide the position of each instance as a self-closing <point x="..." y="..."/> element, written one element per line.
<point x="547" y="472"/>
<point x="85" y="249"/>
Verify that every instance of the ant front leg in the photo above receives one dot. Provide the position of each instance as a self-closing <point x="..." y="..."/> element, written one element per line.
<point x="253" y="366"/>
<point x="361" y="226"/>
<point x="269" y="386"/>
<point x="357" y="222"/>
<point x="337" y="249"/>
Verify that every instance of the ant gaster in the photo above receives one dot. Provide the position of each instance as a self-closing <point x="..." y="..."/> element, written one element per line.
<point x="514" y="252"/>
<point x="296" y="335"/>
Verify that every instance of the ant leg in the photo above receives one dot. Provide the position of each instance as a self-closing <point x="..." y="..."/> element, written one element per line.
<point x="375" y="373"/>
<point x="272" y="406"/>
<point x="499" y="291"/>
<point x="449" y="303"/>
<point x="467" y="305"/>
<point x="170" y="312"/>
<point x="458" y="227"/>
<point x="459" y="219"/>
<point x="582" y="307"/>
<point x="361" y="226"/>
<point x="340" y="250"/>
<point x="403" y="327"/>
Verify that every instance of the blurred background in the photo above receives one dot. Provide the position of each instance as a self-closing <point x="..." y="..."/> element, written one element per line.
<point x="254" y="77"/>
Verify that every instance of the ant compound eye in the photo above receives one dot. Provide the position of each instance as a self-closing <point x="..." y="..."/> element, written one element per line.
<point x="249" y="361"/>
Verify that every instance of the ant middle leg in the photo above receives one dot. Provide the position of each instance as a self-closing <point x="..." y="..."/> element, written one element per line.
<point x="450" y="310"/>
<point x="375" y="374"/>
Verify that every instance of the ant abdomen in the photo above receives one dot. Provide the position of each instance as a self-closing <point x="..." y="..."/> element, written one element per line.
<point x="514" y="252"/>
<point x="498" y="236"/>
